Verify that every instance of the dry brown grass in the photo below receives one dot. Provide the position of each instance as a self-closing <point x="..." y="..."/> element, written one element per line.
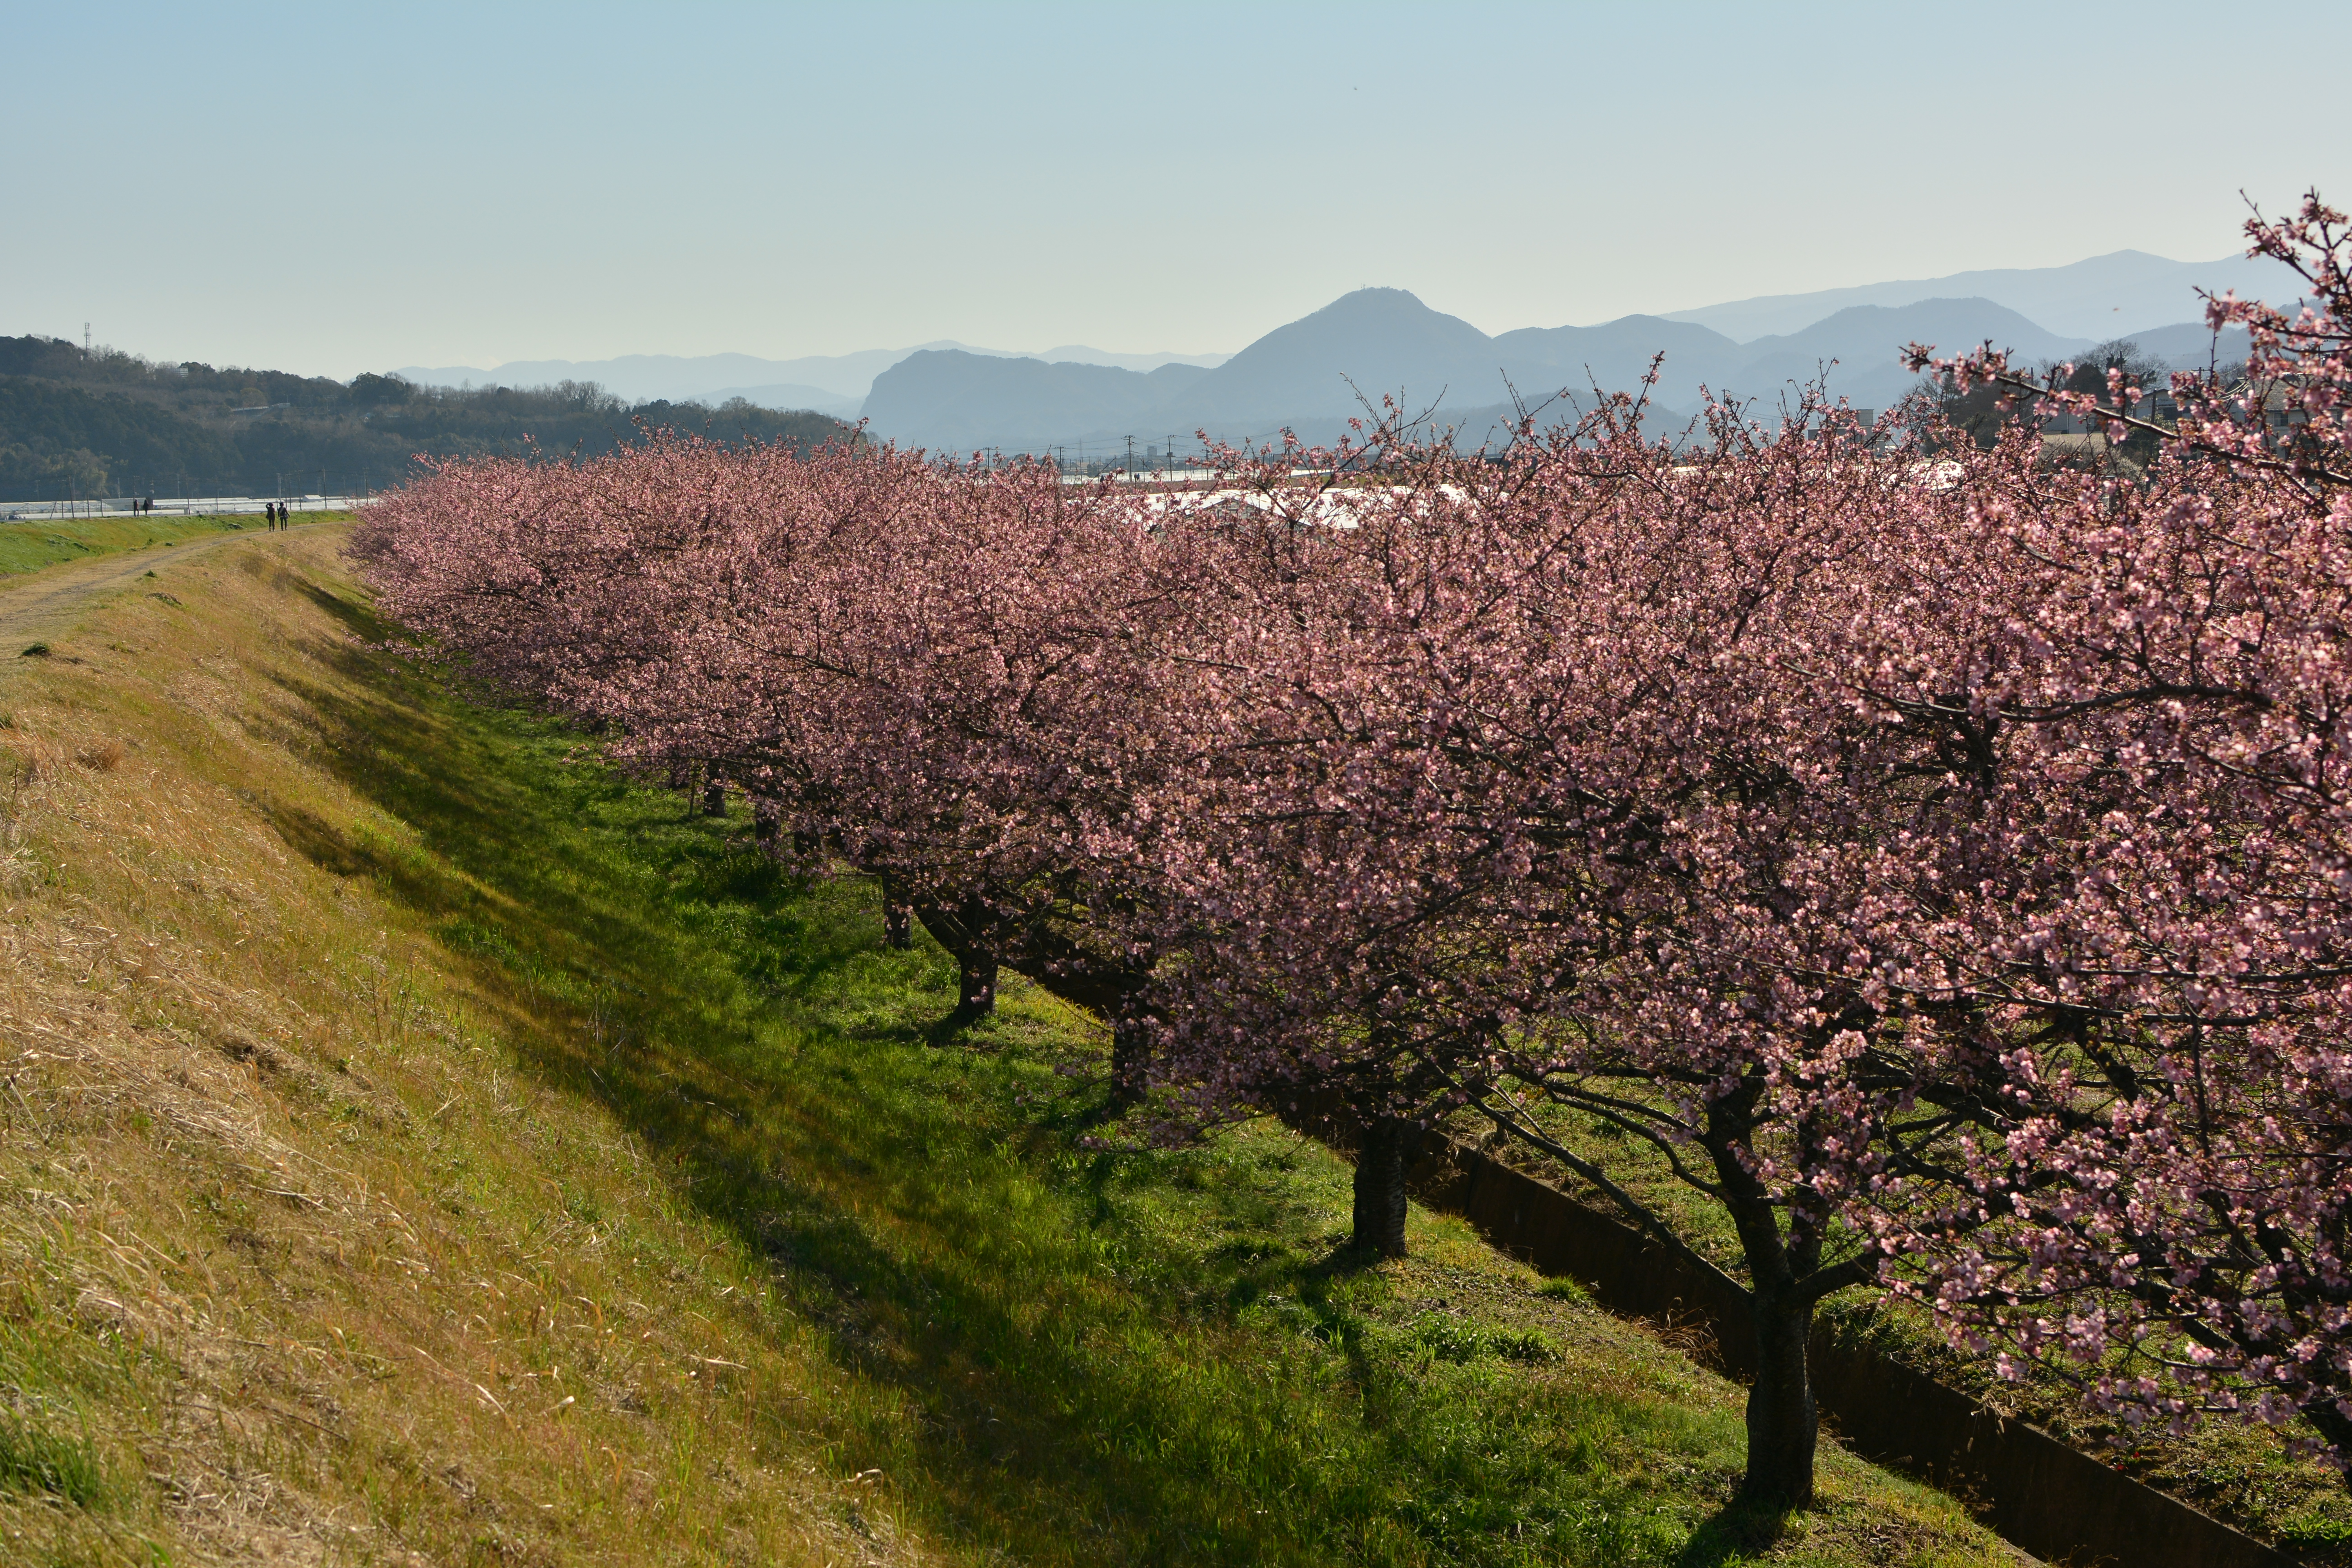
<point x="103" y="757"/>
<point x="287" y="1250"/>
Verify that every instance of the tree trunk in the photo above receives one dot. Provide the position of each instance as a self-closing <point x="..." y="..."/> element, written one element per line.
<point x="2335" y="1429"/>
<point x="898" y="917"/>
<point x="1782" y="1423"/>
<point x="975" y="984"/>
<point x="1383" y="1155"/>
<point x="964" y="931"/>
<point x="767" y="820"/>
<point x="714" y="796"/>
<point x="1130" y="1056"/>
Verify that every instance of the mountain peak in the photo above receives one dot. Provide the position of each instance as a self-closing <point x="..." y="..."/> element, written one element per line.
<point x="1373" y="305"/>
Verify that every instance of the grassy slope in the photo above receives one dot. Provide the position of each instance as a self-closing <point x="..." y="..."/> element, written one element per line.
<point x="29" y="546"/>
<point x="420" y="1145"/>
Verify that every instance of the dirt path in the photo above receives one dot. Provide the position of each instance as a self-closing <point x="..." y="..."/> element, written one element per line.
<point x="49" y="601"/>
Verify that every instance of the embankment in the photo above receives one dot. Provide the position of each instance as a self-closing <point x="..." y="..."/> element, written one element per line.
<point x="419" y="1144"/>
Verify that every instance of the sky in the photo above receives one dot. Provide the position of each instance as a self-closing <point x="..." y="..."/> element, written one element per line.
<point x="332" y="189"/>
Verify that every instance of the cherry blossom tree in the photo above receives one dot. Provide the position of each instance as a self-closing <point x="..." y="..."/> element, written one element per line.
<point x="1532" y="793"/>
<point x="2159" y="714"/>
<point x="1489" y="777"/>
<point x="910" y="664"/>
<point x="1930" y="856"/>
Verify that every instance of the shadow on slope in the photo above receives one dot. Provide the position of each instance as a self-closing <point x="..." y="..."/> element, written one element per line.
<point x="1099" y="1353"/>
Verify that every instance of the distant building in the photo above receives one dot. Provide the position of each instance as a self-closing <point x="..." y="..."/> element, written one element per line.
<point x="2280" y="404"/>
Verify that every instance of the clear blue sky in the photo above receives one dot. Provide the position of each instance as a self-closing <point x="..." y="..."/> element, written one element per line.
<point x="336" y="188"/>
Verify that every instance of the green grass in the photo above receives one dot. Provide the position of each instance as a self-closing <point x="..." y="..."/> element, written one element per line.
<point x="29" y="546"/>
<point x="52" y="1468"/>
<point x="35" y="1458"/>
<point x="1167" y="1352"/>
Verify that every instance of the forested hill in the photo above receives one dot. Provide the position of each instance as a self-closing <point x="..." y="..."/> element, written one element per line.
<point x="110" y="423"/>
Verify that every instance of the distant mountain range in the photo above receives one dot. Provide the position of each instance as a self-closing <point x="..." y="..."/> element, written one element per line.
<point x="2093" y="298"/>
<point x="830" y="384"/>
<point x="1313" y="373"/>
<point x="1309" y="376"/>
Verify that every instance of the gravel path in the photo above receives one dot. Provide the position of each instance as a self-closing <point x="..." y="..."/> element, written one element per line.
<point x="45" y="603"/>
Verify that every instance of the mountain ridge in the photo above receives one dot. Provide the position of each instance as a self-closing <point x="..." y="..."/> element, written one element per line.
<point x="1320" y="369"/>
<point x="1310" y="376"/>
<point x="715" y="377"/>
<point x="2091" y="298"/>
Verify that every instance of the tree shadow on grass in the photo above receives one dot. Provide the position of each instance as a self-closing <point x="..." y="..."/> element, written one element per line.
<point x="1734" y="1532"/>
<point x="710" y="989"/>
<point x="1073" y="1389"/>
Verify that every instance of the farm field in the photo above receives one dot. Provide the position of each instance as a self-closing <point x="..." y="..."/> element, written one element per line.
<point x="422" y="1146"/>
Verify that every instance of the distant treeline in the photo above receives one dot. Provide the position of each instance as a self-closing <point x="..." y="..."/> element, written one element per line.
<point x="109" y="422"/>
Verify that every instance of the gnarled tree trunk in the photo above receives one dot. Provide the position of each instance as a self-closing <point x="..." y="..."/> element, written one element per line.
<point x="1130" y="1058"/>
<point x="2333" y="1426"/>
<point x="975" y="984"/>
<point x="1783" y="1425"/>
<point x="1784" y="1282"/>
<point x="897" y="916"/>
<point x="963" y="932"/>
<point x="1383" y="1155"/>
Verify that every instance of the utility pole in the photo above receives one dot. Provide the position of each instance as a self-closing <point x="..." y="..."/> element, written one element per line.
<point x="1130" y="456"/>
<point x="85" y="341"/>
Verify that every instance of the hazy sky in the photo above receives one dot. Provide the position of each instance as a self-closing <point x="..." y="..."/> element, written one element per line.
<point x="332" y="189"/>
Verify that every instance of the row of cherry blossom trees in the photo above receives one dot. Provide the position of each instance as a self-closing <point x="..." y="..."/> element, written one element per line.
<point x="1936" y="858"/>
